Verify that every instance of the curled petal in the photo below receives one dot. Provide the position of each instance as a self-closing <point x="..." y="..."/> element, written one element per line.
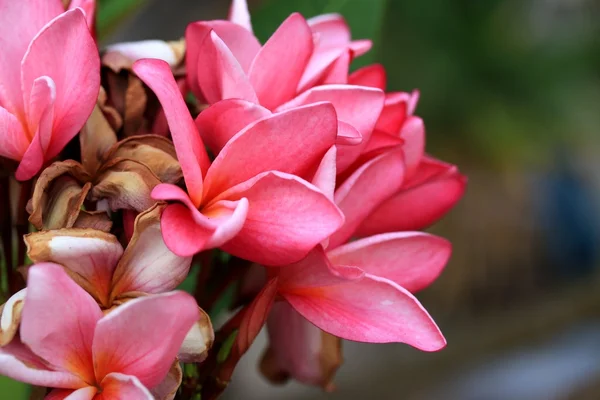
<point x="411" y="259"/>
<point x="255" y="316"/>
<point x="429" y="194"/>
<point x="116" y="386"/>
<point x="167" y="389"/>
<point x="96" y="137"/>
<point x="147" y="265"/>
<point x="198" y="340"/>
<point x="125" y="184"/>
<point x="10" y="316"/>
<point x="58" y="195"/>
<point x="299" y="350"/>
<point x="88" y="256"/>
<point x="13" y="141"/>
<point x="286" y="218"/>
<point x="121" y="56"/>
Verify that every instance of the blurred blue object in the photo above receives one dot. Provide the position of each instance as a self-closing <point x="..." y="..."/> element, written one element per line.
<point x="568" y="217"/>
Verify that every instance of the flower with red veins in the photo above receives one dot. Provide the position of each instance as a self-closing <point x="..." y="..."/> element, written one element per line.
<point x="229" y="69"/>
<point x="96" y="261"/>
<point x="68" y="344"/>
<point x="249" y="201"/>
<point x="360" y="291"/>
<point x="44" y="99"/>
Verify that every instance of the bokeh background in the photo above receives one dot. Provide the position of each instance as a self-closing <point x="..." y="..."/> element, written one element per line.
<point x="510" y="92"/>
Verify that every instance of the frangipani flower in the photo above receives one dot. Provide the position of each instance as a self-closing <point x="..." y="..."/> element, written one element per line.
<point x="429" y="188"/>
<point x="96" y="261"/>
<point x="44" y="99"/>
<point x="360" y="291"/>
<point x="67" y="343"/>
<point x="228" y="67"/>
<point x="247" y="201"/>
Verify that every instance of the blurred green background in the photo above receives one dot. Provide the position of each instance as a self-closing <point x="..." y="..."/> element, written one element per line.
<point x="510" y="92"/>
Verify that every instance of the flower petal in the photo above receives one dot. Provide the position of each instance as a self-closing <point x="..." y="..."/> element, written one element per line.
<point x="372" y="76"/>
<point x="255" y="316"/>
<point x="188" y="144"/>
<point x="58" y="321"/>
<point x="85" y="393"/>
<point x="293" y="141"/>
<point x="221" y="121"/>
<point x="26" y="20"/>
<point x="364" y="309"/>
<point x="276" y="71"/>
<point x="238" y="13"/>
<point x="411" y="259"/>
<point x="96" y="137"/>
<point x="118" y="386"/>
<point x="426" y="197"/>
<point x="299" y="350"/>
<point x="198" y="340"/>
<point x="147" y="265"/>
<point x="19" y="363"/>
<point x="324" y="178"/>
<point x="286" y="218"/>
<point x="10" y="316"/>
<point x="76" y="74"/>
<point x="142" y="337"/>
<point x="370" y="185"/>
<point x="167" y="389"/>
<point x="358" y="106"/>
<point x="413" y="134"/>
<point x="87" y="255"/>
<point x="186" y="231"/>
<point x="13" y="141"/>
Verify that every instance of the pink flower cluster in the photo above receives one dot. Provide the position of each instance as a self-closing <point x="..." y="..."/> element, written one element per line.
<point x="313" y="178"/>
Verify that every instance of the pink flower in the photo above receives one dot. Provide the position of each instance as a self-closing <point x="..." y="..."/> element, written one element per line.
<point x="227" y="67"/>
<point x="248" y="201"/>
<point x="44" y="99"/>
<point x="66" y="343"/>
<point x="360" y="291"/>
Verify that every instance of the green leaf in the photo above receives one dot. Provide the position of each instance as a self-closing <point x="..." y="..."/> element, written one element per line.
<point x="224" y="302"/>
<point x="13" y="390"/>
<point x="189" y="284"/>
<point x="225" y="349"/>
<point x="111" y="12"/>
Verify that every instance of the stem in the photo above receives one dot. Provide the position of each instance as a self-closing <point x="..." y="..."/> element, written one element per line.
<point x="205" y="259"/>
<point x="237" y="268"/>
<point x="6" y="227"/>
<point x="22" y="222"/>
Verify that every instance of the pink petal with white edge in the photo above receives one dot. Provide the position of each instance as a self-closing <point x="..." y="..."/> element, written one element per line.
<point x="117" y="386"/>
<point x="369" y="186"/>
<point x="221" y="121"/>
<point x="293" y="141"/>
<point x="411" y="259"/>
<point x="86" y="393"/>
<point x="287" y="217"/>
<point x="89" y="256"/>
<point x="142" y="337"/>
<point x="19" y="363"/>
<point x="147" y="265"/>
<point x="426" y="197"/>
<point x="41" y="112"/>
<point x="355" y="105"/>
<point x="365" y="309"/>
<point x="239" y="14"/>
<point x="13" y="141"/>
<point x="188" y="144"/>
<point x="89" y="9"/>
<point x="220" y="75"/>
<point x="187" y="231"/>
<point x="276" y="71"/>
<point x="59" y="319"/>
<point x="26" y="20"/>
<point x="76" y="74"/>
<point x="372" y="76"/>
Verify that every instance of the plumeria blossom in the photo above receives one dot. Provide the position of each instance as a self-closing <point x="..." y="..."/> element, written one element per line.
<point x="246" y="201"/>
<point x="430" y="187"/>
<point x="112" y="276"/>
<point x="44" y="99"/>
<point x="229" y="68"/>
<point x="359" y="291"/>
<point x="67" y="343"/>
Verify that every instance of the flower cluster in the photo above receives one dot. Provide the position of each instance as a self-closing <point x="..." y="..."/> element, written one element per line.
<point x="265" y="167"/>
